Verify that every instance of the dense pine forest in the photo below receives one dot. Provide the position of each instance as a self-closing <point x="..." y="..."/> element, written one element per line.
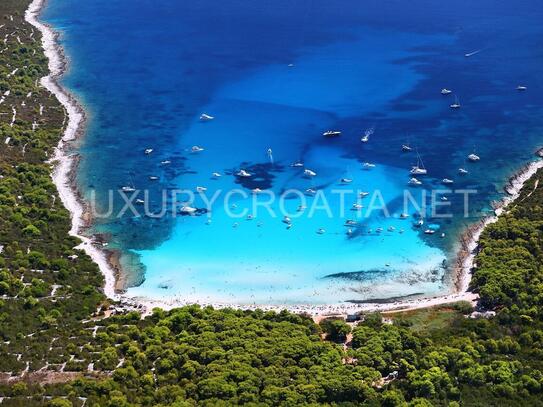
<point x="61" y="346"/>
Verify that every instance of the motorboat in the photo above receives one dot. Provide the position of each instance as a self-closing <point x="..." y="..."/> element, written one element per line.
<point x="204" y="117"/>
<point x="414" y="181"/>
<point x="148" y="151"/>
<point x="332" y="133"/>
<point x="462" y="171"/>
<point x="243" y="174"/>
<point x="447" y="181"/>
<point x="446" y="91"/>
<point x="201" y="189"/>
<point x="309" y="173"/>
<point x="346" y="180"/>
<point x="368" y="166"/>
<point x="189" y="210"/>
<point x="473" y="157"/>
<point x="196" y="149"/>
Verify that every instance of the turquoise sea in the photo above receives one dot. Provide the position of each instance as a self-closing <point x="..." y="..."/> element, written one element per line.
<point x="275" y="75"/>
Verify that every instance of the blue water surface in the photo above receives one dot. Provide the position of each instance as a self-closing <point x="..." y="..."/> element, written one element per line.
<point x="276" y="75"/>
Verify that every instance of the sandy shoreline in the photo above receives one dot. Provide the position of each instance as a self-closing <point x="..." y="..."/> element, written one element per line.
<point x="65" y="165"/>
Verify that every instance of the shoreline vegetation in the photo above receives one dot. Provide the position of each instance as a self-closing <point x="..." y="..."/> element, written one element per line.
<point x="108" y="260"/>
<point x="64" y="344"/>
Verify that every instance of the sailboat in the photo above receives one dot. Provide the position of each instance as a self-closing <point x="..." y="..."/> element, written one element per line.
<point x="456" y="104"/>
<point x="419" y="168"/>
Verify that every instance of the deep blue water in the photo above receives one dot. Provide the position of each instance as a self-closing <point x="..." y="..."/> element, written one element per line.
<point x="276" y="74"/>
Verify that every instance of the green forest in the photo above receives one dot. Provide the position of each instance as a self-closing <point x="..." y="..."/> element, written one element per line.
<point x="59" y="345"/>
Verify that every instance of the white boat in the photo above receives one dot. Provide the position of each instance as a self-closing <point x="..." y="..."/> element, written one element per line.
<point x="256" y="191"/>
<point x="367" y="166"/>
<point x="350" y="222"/>
<point x="286" y="219"/>
<point x="216" y="175"/>
<point x="367" y="135"/>
<point x="140" y="201"/>
<point x="301" y="208"/>
<point x="201" y="189"/>
<point x="521" y="88"/>
<point x="153" y="178"/>
<point x="349" y="231"/>
<point x="297" y="164"/>
<point x="456" y="104"/>
<point x="462" y="171"/>
<point x="357" y="206"/>
<point x="187" y="209"/>
<point x="310" y="191"/>
<point x="414" y="181"/>
<point x="148" y="151"/>
<point x="391" y="228"/>
<point x="332" y="133"/>
<point x="406" y="148"/>
<point x="309" y="173"/>
<point x="346" y="180"/>
<point x="418" y="169"/>
<point x="128" y="189"/>
<point x="363" y="194"/>
<point x="444" y="198"/>
<point x="447" y="181"/>
<point x="442" y="235"/>
<point x="404" y="215"/>
<point x="429" y="231"/>
<point x="446" y="91"/>
<point x="473" y="157"/>
<point x="243" y="173"/>
<point x="165" y="162"/>
<point x="196" y="149"/>
<point x="321" y="231"/>
<point x="420" y="223"/>
<point x="204" y="117"/>
<point x="469" y="54"/>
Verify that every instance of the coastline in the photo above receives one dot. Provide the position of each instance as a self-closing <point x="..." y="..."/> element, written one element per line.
<point x="461" y="275"/>
<point x="65" y="163"/>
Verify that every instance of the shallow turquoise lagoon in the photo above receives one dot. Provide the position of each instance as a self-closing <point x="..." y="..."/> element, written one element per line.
<point x="275" y="76"/>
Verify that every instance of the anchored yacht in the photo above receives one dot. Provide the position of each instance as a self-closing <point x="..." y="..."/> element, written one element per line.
<point x="243" y="173"/>
<point x="204" y="117"/>
<point x="473" y="157"/>
<point x="332" y="133"/>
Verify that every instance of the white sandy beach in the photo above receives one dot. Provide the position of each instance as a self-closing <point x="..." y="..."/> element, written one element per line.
<point x="65" y="164"/>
